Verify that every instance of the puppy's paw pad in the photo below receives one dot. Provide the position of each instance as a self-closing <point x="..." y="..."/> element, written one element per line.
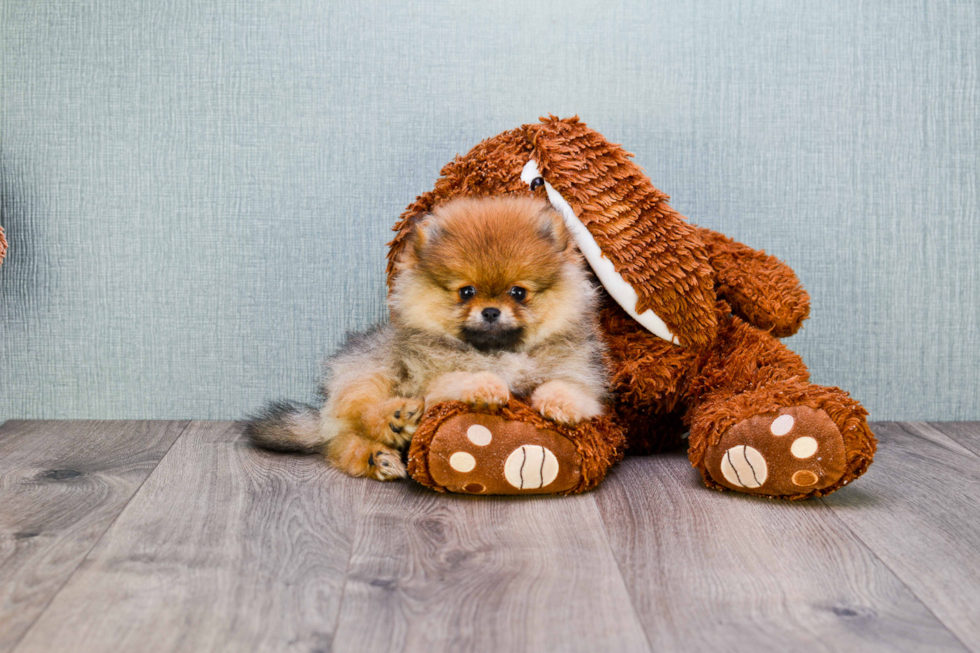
<point x="386" y="466"/>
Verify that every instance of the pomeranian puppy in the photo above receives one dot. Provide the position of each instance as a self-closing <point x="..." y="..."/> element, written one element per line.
<point x="491" y="299"/>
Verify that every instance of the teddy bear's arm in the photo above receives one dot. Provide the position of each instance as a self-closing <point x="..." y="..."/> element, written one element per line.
<point x="760" y="288"/>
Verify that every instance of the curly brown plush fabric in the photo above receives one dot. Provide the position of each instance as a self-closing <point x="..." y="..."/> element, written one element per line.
<point x="755" y="421"/>
<point x="3" y="245"/>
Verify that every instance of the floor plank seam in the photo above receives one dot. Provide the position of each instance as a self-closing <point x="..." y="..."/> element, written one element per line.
<point x="960" y="438"/>
<point x="95" y="544"/>
<point x="350" y="557"/>
<point x="895" y="573"/>
<point x="960" y="448"/>
<point x="622" y="579"/>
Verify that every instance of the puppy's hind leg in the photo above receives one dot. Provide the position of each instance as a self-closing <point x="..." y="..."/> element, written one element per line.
<point x="369" y="425"/>
<point x="360" y="456"/>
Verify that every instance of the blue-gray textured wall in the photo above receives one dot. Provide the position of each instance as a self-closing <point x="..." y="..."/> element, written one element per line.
<point x="197" y="194"/>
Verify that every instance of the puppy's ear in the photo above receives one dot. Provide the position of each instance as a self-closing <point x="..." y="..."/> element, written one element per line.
<point x="424" y="231"/>
<point x="553" y="228"/>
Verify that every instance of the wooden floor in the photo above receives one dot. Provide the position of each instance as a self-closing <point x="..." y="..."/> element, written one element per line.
<point x="177" y="536"/>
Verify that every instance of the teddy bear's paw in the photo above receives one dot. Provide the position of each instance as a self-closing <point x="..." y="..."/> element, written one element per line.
<point x="475" y="453"/>
<point x="796" y="451"/>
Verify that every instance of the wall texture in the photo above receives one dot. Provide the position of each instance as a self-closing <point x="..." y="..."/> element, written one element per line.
<point x="197" y="194"/>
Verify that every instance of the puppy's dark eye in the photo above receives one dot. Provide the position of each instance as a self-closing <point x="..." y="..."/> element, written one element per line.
<point x="537" y="183"/>
<point x="467" y="292"/>
<point x="518" y="293"/>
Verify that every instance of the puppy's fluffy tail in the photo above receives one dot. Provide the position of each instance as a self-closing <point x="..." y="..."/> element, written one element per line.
<point x="287" y="426"/>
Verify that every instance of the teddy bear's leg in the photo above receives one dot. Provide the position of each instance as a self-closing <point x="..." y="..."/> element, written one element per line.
<point x="758" y="426"/>
<point x="512" y="450"/>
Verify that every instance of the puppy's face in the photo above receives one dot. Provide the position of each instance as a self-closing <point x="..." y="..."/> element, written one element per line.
<point x="498" y="273"/>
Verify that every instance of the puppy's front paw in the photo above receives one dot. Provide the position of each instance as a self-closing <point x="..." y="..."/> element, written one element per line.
<point x="404" y="417"/>
<point x="480" y="390"/>
<point x="565" y="403"/>
<point x="394" y="421"/>
<point x="483" y="390"/>
<point x="386" y="465"/>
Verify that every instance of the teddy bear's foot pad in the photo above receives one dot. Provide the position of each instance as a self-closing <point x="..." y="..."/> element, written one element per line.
<point x="797" y="451"/>
<point x="486" y="454"/>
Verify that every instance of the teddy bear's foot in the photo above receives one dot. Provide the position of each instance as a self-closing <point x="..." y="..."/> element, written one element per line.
<point x="796" y="451"/>
<point x="476" y="453"/>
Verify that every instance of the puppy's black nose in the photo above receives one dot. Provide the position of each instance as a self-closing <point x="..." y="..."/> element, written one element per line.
<point x="491" y="314"/>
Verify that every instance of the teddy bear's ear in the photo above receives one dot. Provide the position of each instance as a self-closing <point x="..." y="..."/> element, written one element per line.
<point x="650" y="260"/>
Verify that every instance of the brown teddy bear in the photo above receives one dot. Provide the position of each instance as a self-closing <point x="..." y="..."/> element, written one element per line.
<point x="3" y="245"/>
<point x="691" y="320"/>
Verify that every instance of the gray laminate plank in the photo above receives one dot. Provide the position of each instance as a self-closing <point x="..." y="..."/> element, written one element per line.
<point x="61" y="486"/>
<point x="719" y="571"/>
<point x="934" y="435"/>
<point x="965" y="433"/>
<point x="918" y="509"/>
<point x="436" y="572"/>
<point x="224" y="548"/>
